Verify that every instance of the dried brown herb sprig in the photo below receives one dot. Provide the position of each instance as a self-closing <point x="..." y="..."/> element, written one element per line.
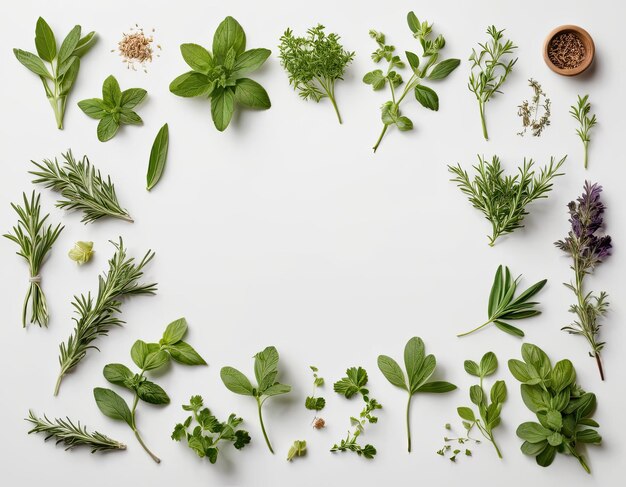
<point x="529" y="111"/>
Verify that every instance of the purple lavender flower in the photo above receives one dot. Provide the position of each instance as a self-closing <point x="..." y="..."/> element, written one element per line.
<point x="587" y="249"/>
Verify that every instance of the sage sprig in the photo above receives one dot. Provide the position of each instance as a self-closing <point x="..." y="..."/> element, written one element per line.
<point x="82" y="188"/>
<point x="490" y="67"/>
<point x="148" y="357"/>
<point x="266" y="373"/>
<point x="430" y="69"/>
<point x="563" y="409"/>
<point x="72" y="435"/>
<point x="63" y="63"/>
<point x="158" y="157"/>
<point x="580" y="112"/>
<point x="114" y="109"/>
<point x="503" y="306"/>
<point x="419" y="369"/>
<point x="503" y="199"/>
<point x="97" y="316"/>
<point x="221" y="75"/>
<point x="35" y="240"/>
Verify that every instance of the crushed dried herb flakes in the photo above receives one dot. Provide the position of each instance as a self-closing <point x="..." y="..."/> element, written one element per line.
<point x="566" y="50"/>
<point x="136" y="48"/>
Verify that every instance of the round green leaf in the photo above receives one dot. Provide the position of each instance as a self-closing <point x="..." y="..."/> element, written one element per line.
<point x="427" y="97"/>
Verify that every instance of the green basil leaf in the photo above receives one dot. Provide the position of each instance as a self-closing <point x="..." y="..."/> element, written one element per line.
<point x="111" y="92"/>
<point x="413" y="59"/>
<point x="112" y="405"/>
<point x="249" y="61"/>
<point x="437" y="387"/>
<point x="183" y="353"/>
<point x="427" y="97"/>
<point x="251" y="94"/>
<point x="414" y="24"/>
<point x="519" y="370"/>
<point x="152" y="393"/>
<point x="107" y="128"/>
<point x="488" y="364"/>
<point x="392" y="371"/>
<point x="466" y="413"/>
<point x="156" y="165"/>
<point x="117" y="374"/>
<point x="266" y="367"/>
<point x="404" y="123"/>
<point x="84" y="44"/>
<point x="197" y="57"/>
<point x="32" y="62"/>
<point x="69" y="44"/>
<point x="533" y="449"/>
<point x="498" y="392"/>
<point x="228" y="35"/>
<point x="276" y="389"/>
<point x="444" y="68"/>
<point x="477" y="396"/>
<point x="157" y="359"/>
<point x="129" y="117"/>
<point x="132" y="97"/>
<point x="44" y="41"/>
<point x="471" y="368"/>
<point x="413" y="361"/>
<point x="563" y="375"/>
<point x="192" y="84"/>
<point x="533" y="432"/>
<point x="222" y="108"/>
<point x="139" y="352"/>
<point x="236" y="382"/>
<point x="588" y="436"/>
<point x="93" y="107"/>
<point x="175" y="331"/>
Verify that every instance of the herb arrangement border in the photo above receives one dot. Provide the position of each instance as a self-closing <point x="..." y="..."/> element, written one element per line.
<point x="313" y="64"/>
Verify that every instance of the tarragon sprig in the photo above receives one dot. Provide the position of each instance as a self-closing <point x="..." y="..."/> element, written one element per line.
<point x="580" y="112"/>
<point x="72" y="435"/>
<point x="35" y="240"/>
<point x="82" y="188"/>
<point x="96" y="317"/>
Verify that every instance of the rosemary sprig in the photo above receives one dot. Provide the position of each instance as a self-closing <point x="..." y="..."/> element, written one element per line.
<point x="82" y="188"/>
<point x="503" y="199"/>
<point x="489" y="70"/>
<point x="72" y="435"/>
<point x="581" y="113"/>
<point x="95" y="318"/>
<point x="35" y="240"/>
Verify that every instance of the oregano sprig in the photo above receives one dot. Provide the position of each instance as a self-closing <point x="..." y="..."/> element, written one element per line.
<point x="419" y="369"/>
<point x="95" y="317"/>
<point x="580" y="112"/>
<point x="35" y="239"/>
<point x="504" y="306"/>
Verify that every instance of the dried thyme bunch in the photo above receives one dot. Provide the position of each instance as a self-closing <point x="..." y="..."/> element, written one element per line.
<point x="35" y="240"/>
<point x="580" y="112"/>
<point x="529" y="111"/>
<point x="588" y="250"/>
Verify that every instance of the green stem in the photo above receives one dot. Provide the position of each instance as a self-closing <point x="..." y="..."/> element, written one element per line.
<point x="332" y="100"/>
<point x="495" y="445"/>
<point x="267" y="440"/>
<point x="585" y="143"/>
<point x="59" y="379"/>
<point x="140" y="440"/>
<point x="482" y="120"/>
<point x="475" y="329"/>
<point x="408" y="423"/>
<point x="382" y="134"/>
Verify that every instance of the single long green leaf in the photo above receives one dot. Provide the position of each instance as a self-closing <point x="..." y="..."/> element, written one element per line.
<point x="44" y="41"/>
<point x="158" y="157"/>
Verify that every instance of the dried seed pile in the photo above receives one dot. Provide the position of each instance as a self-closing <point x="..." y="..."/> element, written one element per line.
<point x="566" y="50"/>
<point x="136" y="48"/>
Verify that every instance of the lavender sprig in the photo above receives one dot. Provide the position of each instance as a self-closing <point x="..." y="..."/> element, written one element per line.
<point x="588" y="250"/>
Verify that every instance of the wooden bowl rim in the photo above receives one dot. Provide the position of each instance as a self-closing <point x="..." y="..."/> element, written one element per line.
<point x="585" y="38"/>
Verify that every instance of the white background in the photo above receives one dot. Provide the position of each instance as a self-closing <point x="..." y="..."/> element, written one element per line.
<point x="287" y="230"/>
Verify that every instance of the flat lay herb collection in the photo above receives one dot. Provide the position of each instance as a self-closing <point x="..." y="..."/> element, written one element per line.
<point x="314" y="63"/>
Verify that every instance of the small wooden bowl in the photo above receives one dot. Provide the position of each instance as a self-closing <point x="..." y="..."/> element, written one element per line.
<point x="587" y="41"/>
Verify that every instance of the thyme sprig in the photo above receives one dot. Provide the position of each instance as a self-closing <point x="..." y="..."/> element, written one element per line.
<point x="580" y="112"/>
<point x="96" y="317"/>
<point x="35" y="240"/>
<point x="503" y="199"/>
<point x="82" y="188"/>
<point x="72" y="435"/>
<point x="528" y="111"/>
<point x="490" y="69"/>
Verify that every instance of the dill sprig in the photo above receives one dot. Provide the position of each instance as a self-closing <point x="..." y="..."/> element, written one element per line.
<point x="503" y="199"/>
<point x="35" y="240"/>
<point x="97" y="317"/>
<point x="72" y="435"/>
<point x="82" y="186"/>
<point x="581" y="113"/>
<point x="489" y="70"/>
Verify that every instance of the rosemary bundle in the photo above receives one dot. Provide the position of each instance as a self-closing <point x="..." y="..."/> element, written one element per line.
<point x="82" y="188"/>
<point x="97" y="317"/>
<point x="35" y="240"/>
<point x="72" y="435"/>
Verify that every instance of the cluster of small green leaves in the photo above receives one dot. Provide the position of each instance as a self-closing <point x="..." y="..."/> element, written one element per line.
<point x="504" y="306"/>
<point x="64" y="63"/>
<point x="82" y="188"/>
<point x="298" y="449"/>
<point x="489" y="406"/>
<point x="72" y="435"/>
<point x="114" y="109"/>
<point x="205" y="437"/>
<point x="266" y="373"/>
<point x="312" y="402"/>
<point x="419" y="369"/>
<point x="580" y="112"/>
<point x="97" y="316"/>
<point x="490" y="69"/>
<point x="220" y="75"/>
<point x="529" y="111"/>
<point x="314" y="63"/>
<point x="35" y="240"/>
<point x="461" y="441"/>
<point x="431" y="69"/>
<point x="503" y="199"/>
<point x="354" y="383"/>
<point x="146" y="356"/>
<point x="562" y="408"/>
